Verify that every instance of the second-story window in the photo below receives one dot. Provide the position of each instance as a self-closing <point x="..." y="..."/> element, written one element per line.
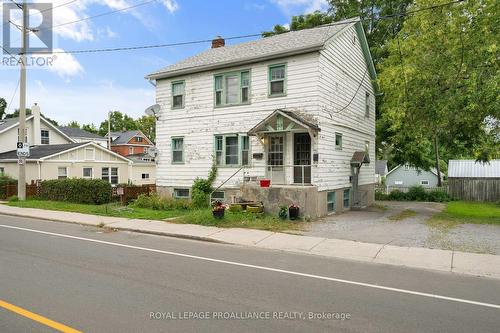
<point x="367" y="105"/>
<point x="232" y="88"/>
<point x="178" y="95"/>
<point x="177" y="150"/>
<point x="44" y="134"/>
<point x="277" y="78"/>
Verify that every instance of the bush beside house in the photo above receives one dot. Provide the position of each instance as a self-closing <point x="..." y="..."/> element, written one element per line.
<point x="4" y="181"/>
<point x="415" y="193"/>
<point x="86" y="191"/>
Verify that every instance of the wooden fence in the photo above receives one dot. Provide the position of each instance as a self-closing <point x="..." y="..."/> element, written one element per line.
<point x="32" y="190"/>
<point x="475" y="189"/>
<point x="129" y="193"/>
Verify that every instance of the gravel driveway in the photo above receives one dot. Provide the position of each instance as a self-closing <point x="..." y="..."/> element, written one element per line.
<point x="374" y="226"/>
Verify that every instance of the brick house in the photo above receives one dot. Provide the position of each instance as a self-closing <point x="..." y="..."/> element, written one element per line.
<point x="130" y="143"/>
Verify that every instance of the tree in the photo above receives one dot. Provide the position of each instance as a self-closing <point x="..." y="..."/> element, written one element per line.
<point x="3" y="106"/>
<point x="440" y="81"/>
<point x="15" y="114"/>
<point x="301" y="22"/>
<point x="73" y="124"/>
<point x="147" y="124"/>
<point x="91" y="128"/>
<point x="119" y="122"/>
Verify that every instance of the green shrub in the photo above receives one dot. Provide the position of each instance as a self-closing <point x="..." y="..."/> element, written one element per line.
<point x="381" y="196"/>
<point x="155" y="202"/>
<point x="13" y="198"/>
<point x="5" y="180"/>
<point x="438" y="196"/>
<point x="416" y="193"/>
<point x="396" y="195"/>
<point x="200" y="192"/>
<point x="77" y="190"/>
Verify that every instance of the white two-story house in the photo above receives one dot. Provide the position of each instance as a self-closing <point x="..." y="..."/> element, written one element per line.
<point x="297" y="109"/>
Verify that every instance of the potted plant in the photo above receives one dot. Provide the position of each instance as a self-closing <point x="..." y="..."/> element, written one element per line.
<point x="293" y="211"/>
<point x="283" y="213"/>
<point x="218" y="209"/>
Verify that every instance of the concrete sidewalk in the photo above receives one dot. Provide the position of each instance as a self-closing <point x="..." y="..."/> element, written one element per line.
<point x="486" y="265"/>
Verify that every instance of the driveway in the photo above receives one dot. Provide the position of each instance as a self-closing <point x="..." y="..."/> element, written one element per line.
<point x="374" y="225"/>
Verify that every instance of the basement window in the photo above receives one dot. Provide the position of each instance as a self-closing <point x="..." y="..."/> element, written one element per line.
<point x="181" y="193"/>
<point x="330" y="201"/>
<point x="347" y="198"/>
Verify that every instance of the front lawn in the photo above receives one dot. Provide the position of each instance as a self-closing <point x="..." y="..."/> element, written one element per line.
<point x="458" y="212"/>
<point x="112" y="209"/>
<point x="185" y="216"/>
<point x="238" y="220"/>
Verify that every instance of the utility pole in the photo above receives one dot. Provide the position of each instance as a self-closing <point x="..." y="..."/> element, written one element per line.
<point x="109" y="130"/>
<point x="21" y="181"/>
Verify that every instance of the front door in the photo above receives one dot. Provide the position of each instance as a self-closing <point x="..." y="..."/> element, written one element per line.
<point x="302" y="158"/>
<point x="276" y="158"/>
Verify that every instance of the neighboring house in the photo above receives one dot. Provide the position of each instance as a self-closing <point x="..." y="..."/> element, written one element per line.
<point x="381" y="170"/>
<point x="39" y="131"/>
<point x="130" y="142"/>
<point x="474" y="181"/>
<point x="144" y="171"/>
<point x="405" y="176"/>
<point x="80" y="135"/>
<point x="77" y="160"/>
<point x="297" y="108"/>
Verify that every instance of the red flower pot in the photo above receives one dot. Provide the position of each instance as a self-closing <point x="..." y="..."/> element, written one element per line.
<point x="265" y="182"/>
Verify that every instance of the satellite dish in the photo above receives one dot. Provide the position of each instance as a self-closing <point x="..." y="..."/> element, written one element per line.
<point x="152" y="151"/>
<point x="153" y="110"/>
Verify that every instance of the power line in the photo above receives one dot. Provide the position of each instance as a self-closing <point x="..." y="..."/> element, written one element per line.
<point x="129" y="48"/>
<point x="13" y="95"/>
<point x="102" y="14"/>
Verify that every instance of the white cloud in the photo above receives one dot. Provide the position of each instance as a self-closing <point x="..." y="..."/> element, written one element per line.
<point x="290" y="7"/>
<point x="65" y="65"/>
<point x="171" y="5"/>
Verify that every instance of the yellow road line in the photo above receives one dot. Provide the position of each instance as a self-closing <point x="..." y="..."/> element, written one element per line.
<point x="38" y="318"/>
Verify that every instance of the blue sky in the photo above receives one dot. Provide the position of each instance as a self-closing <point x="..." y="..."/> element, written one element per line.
<point x="84" y="87"/>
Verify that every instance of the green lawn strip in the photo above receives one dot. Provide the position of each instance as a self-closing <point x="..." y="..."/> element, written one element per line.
<point x="459" y="212"/>
<point x="113" y="209"/>
<point x="405" y="214"/>
<point x="238" y="220"/>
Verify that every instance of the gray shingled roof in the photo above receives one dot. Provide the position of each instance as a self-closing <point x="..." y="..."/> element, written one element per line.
<point x="294" y="42"/>
<point x="41" y="151"/>
<point x="79" y="133"/>
<point x="381" y="167"/>
<point x="124" y="137"/>
<point x="7" y="122"/>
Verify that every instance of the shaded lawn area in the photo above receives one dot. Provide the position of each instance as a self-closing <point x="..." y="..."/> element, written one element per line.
<point x="458" y="212"/>
<point x="184" y="216"/>
<point x="112" y="209"/>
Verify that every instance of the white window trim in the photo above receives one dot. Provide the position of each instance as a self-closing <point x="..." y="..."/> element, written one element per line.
<point x="91" y="173"/>
<point x="398" y="182"/>
<point x="424" y="180"/>
<point x="48" y="136"/>
<point x="66" y="172"/>
<point x="145" y="174"/>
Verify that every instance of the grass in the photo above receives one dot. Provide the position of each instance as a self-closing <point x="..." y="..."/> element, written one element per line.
<point x="459" y="212"/>
<point x="113" y="209"/>
<point x="201" y="216"/>
<point x="238" y="220"/>
<point x="405" y="214"/>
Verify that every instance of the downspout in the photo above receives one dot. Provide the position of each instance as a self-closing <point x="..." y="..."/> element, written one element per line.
<point x="39" y="170"/>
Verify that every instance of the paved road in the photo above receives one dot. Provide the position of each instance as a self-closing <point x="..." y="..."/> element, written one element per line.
<point x="96" y="281"/>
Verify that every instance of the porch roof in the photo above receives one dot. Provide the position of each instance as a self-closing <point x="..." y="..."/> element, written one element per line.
<point x="292" y="119"/>
<point x="360" y="157"/>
